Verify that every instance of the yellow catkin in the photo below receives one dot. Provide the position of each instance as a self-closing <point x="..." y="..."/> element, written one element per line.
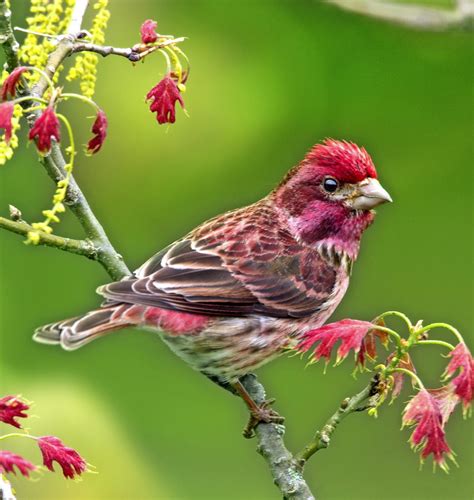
<point x="85" y="67"/>
<point x="51" y="215"/>
<point x="49" y="17"/>
<point x="6" y="150"/>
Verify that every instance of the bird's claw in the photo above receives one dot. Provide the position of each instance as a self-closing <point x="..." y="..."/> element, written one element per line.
<point x="263" y="413"/>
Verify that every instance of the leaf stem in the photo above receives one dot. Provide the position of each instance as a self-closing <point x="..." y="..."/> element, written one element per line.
<point x="410" y="374"/>
<point x="398" y="314"/>
<point x="17" y="434"/>
<point x="391" y="332"/>
<point x="435" y="342"/>
<point x="80" y="97"/>
<point x="446" y="326"/>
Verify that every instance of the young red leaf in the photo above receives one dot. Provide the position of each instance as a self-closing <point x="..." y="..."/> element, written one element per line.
<point x="447" y="400"/>
<point x="54" y="450"/>
<point x="9" y="460"/>
<point x="99" y="129"/>
<point x="147" y="31"/>
<point x="399" y="377"/>
<point x="10" y="83"/>
<point x="12" y="407"/>
<point x="45" y="127"/>
<point x="464" y="382"/>
<point x="369" y="345"/>
<point x="6" y="115"/>
<point x="424" y="413"/>
<point x="164" y="96"/>
<point x="350" y="332"/>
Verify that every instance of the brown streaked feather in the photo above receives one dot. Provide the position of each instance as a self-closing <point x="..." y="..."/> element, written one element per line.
<point x="237" y="264"/>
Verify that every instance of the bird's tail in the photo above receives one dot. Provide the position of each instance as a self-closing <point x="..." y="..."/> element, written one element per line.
<point x="75" y="332"/>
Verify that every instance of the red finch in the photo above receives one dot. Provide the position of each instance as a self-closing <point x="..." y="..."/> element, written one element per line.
<point x="243" y="287"/>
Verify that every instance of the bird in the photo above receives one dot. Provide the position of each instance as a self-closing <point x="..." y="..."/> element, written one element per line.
<point x="243" y="287"/>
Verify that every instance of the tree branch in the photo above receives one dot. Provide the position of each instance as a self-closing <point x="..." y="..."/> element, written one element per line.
<point x="80" y="247"/>
<point x="286" y="472"/>
<point x="7" y="38"/>
<point x="6" y="491"/>
<point x="413" y="16"/>
<point x="322" y="437"/>
<point x="78" y="12"/>
<point x="133" y="54"/>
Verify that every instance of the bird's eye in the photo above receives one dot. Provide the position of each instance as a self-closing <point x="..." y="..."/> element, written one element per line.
<point x="330" y="185"/>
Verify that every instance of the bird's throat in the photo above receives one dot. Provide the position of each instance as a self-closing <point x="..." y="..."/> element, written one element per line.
<point x="332" y="225"/>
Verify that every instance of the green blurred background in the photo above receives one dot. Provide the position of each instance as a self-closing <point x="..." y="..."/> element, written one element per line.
<point x="269" y="79"/>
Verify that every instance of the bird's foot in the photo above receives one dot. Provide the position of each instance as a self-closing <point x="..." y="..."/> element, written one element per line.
<point x="261" y="413"/>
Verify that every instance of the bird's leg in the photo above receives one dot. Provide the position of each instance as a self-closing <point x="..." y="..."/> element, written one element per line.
<point x="225" y="385"/>
<point x="258" y="413"/>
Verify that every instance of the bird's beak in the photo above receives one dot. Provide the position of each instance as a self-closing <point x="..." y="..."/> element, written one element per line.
<point x="369" y="193"/>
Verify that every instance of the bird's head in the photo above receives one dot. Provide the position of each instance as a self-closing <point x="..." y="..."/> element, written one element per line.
<point x="332" y="192"/>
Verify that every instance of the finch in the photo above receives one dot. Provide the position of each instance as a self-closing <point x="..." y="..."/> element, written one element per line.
<point x="243" y="287"/>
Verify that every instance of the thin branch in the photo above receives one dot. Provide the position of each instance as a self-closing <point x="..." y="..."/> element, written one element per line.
<point x="80" y="247"/>
<point x="413" y="16"/>
<point x="287" y="473"/>
<point x="322" y="437"/>
<point x="6" y="491"/>
<point x="7" y="38"/>
<point x="133" y="54"/>
<point x="78" y="12"/>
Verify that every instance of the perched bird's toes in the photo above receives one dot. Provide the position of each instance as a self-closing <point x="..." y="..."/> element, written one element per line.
<point x="263" y="413"/>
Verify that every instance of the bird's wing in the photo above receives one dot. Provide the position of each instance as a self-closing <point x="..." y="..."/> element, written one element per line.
<point x="237" y="264"/>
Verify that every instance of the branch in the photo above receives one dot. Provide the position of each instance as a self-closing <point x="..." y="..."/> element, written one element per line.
<point x="80" y="247"/>
<point x="54" y="161"/>
<point x="287" y="473"/>
<point x="6" y="490"/>
<point x="7" y="38"/>
<point x="133" y="54"/>
<point x="413" y="16"/>
<point x="322" y="437"/>
<point x="78" y="12"/>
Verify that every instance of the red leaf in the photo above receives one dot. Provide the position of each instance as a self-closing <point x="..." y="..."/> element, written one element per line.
<point x="12" y="407"/>
<point x="10" y="83"/>
<point x="99" y="129"/>
<point x="54" y="450"/>
<point x="447" y="400"/>
<point x="6" y="115"/>
<point x="350" y="332"/>
<point x="147" y="31"/>
<point x="399" y="377"/>
<point x="464" y="382"/>
<point x="9" y="460"/>
<point x="44" y="128"/>
<point x="424" y="413"/>
<point x="164" y="96"/>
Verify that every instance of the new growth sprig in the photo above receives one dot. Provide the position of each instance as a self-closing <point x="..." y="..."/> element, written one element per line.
<point x="49" y="25"/>
<point x="428" y="410"/>
<point x="52" y="448"/>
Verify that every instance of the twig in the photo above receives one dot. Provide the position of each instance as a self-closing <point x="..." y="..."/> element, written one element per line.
<point x="413" y="16"/>
<point x="7" y="38"/>
<point x="286" y="472"/>
<point x="6" y="491"/>
<point x="322" y="437"/>
<point x="80" y="247"/>
<point x="78" y="12"/>
<point x="133" y="54"/>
